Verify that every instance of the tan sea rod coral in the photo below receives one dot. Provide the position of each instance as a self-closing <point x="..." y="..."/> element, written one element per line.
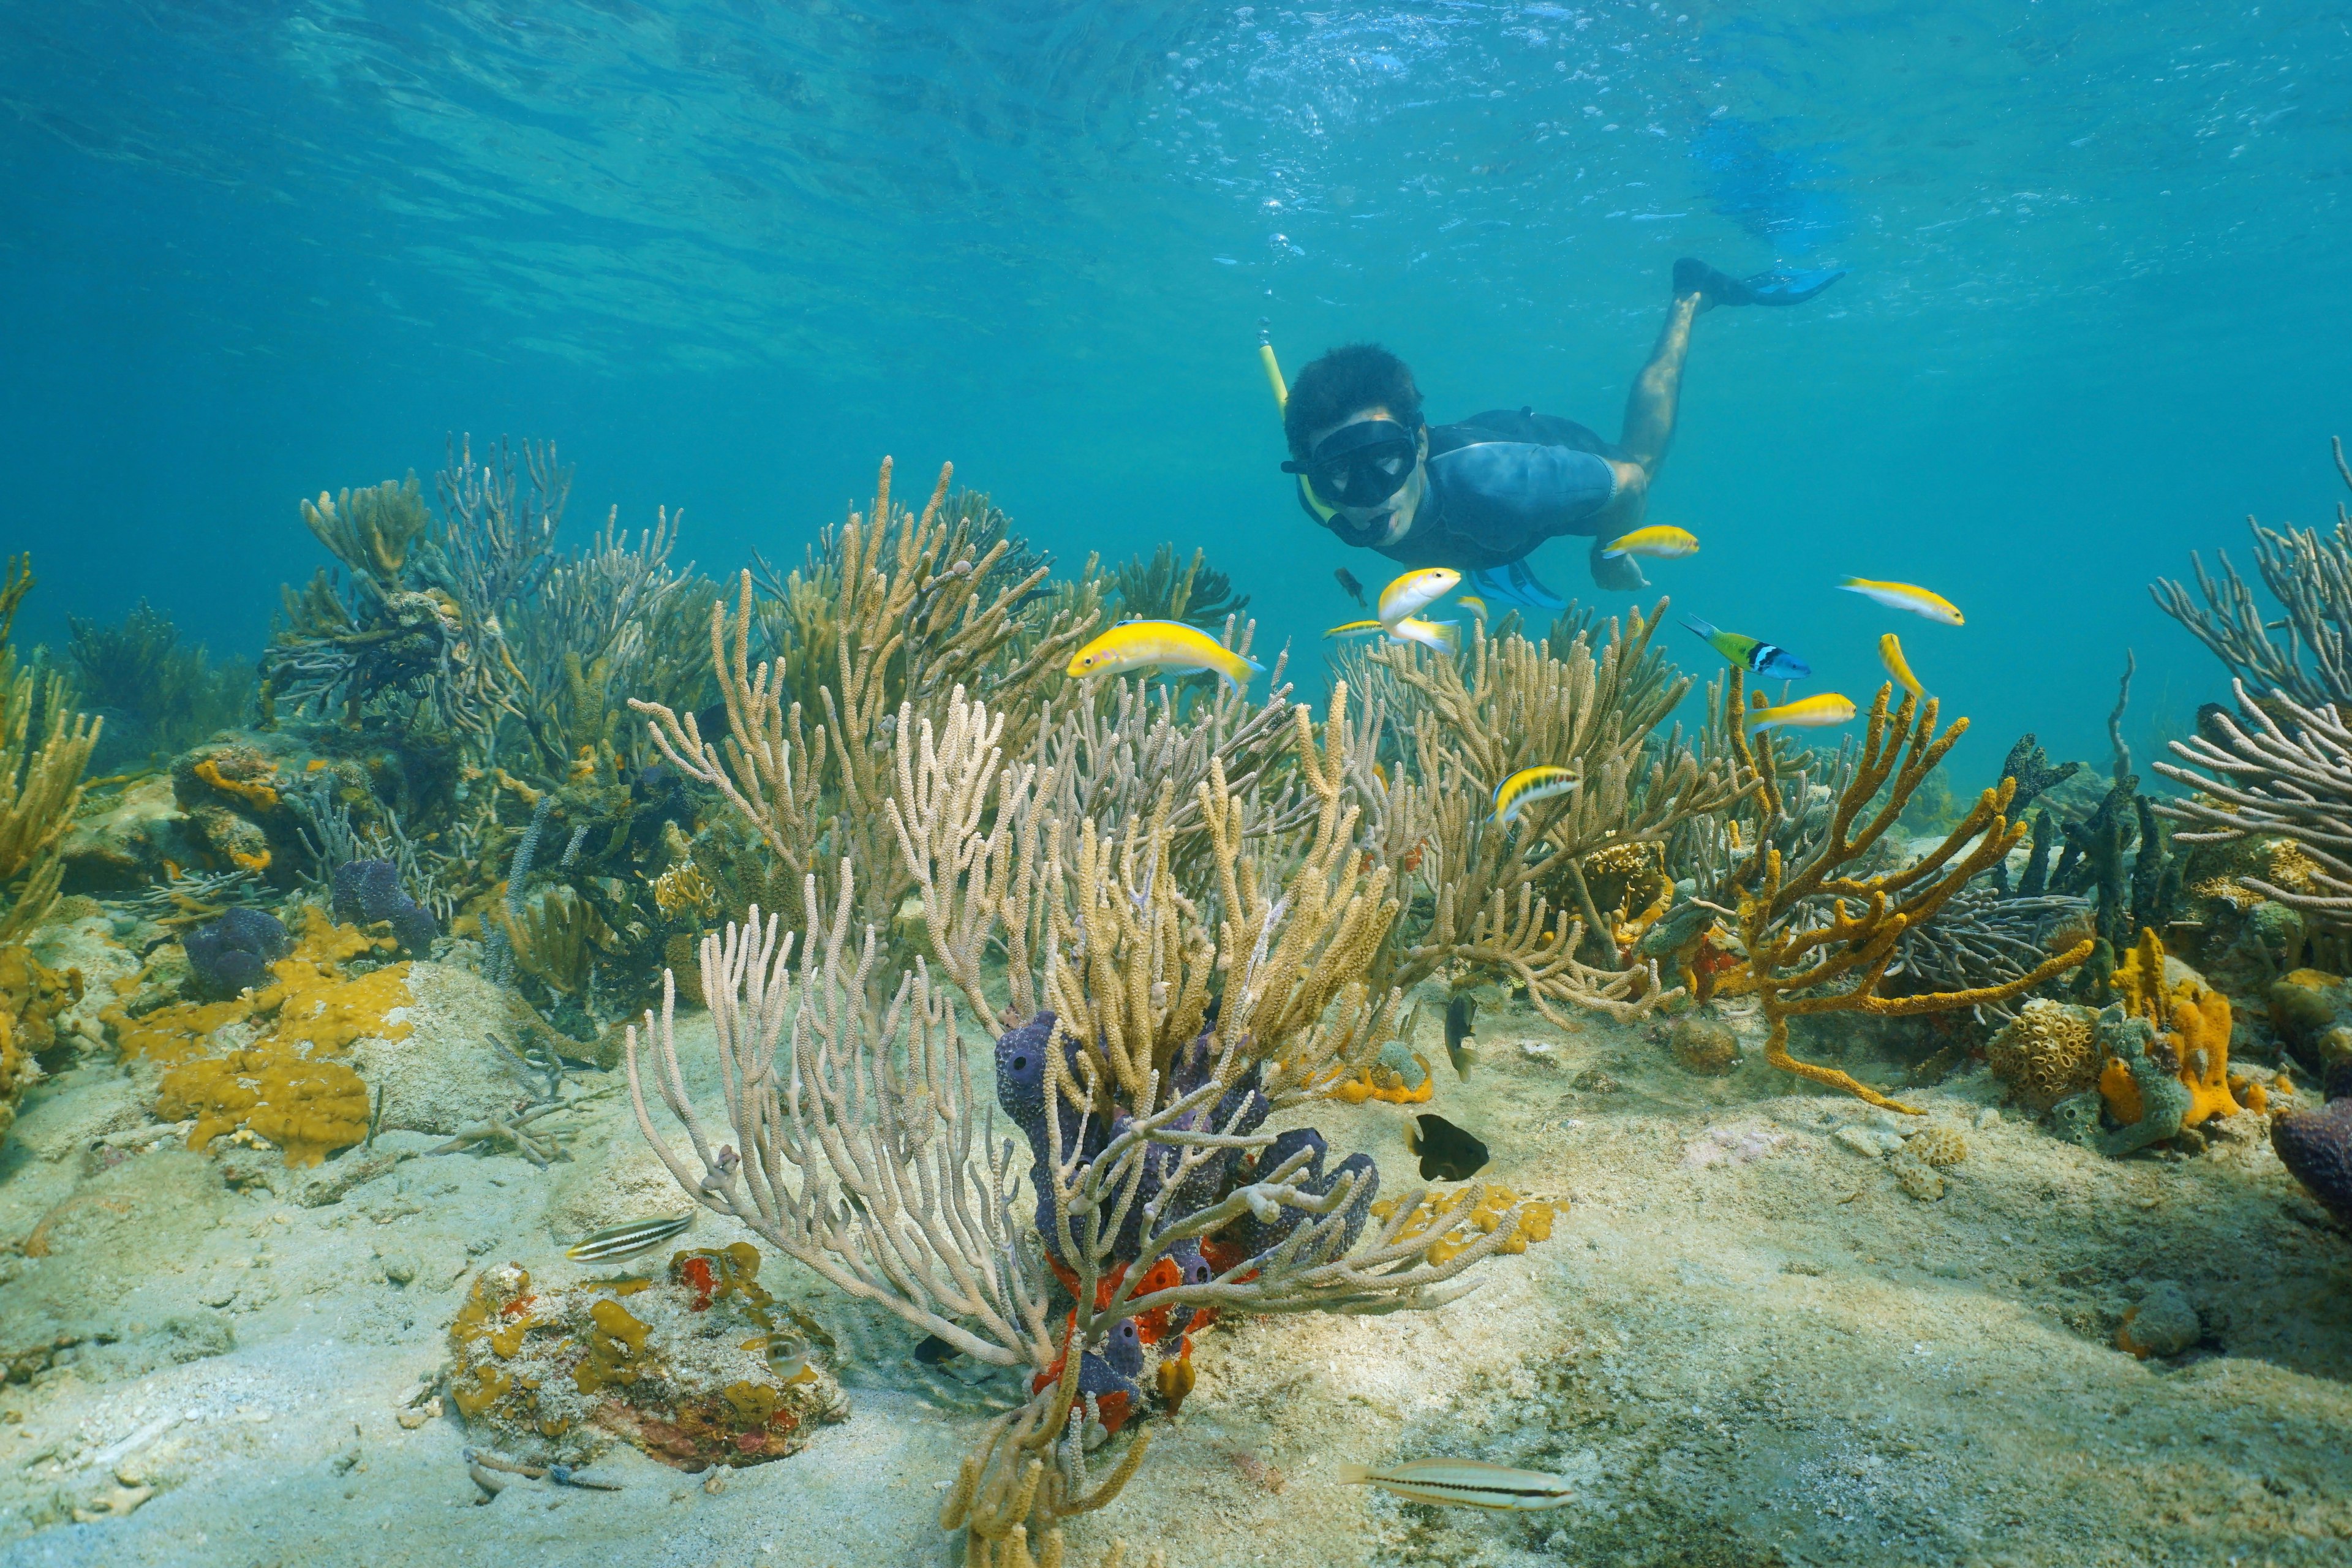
<point x="1164" y="1014"/>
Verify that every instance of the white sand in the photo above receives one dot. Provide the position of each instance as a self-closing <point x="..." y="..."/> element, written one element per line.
<point x="1776" y="1357"/>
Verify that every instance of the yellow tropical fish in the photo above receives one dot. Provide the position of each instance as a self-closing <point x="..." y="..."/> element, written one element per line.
<point x="1659" y="541"/>
<point x="1807" y="712"/>
<point x="1907" y="596"/>
<point x="1445" y="636"/>
<point x="1473" y="1482"/>
<point x="1358" y="629"/>
<point x="1165" y="645"/>
<point x="1415" y="592"/>
<point x="1474" y="604"/>
<point x="1530" y="785"/>
<point x="1890" y="654"/>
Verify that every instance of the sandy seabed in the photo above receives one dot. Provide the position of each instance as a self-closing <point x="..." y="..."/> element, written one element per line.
<point x="1745" y="1343"/>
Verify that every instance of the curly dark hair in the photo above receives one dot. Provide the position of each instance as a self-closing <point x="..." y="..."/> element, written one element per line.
<point x="1346" y="380"/>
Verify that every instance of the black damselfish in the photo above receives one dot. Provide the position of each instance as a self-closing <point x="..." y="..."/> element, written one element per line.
<point x="1447" y="1154"/>
<point x="1461" y="1016"/>
<point x="935" y="1351"/>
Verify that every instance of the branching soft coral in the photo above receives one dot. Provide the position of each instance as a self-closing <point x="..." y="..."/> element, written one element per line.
<point x="1819" y="938"/>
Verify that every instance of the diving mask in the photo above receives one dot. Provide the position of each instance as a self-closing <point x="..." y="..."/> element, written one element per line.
<point x="1361" y="465"/>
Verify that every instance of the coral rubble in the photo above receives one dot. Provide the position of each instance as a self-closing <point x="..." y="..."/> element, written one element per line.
<point x="695" y="1364"/>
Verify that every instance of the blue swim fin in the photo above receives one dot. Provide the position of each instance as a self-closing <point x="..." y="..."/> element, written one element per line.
<point x="1518" y="584"/>
<point x="1692" y="276"/>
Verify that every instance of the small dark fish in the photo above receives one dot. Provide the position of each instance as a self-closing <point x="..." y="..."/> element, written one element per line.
<point x="1349" y="586"/>
<point x="627" y="1240"/>
<point x="935" y="1351"/>
<point x="1461" y="1015"/>
<point x="1447" y="1154"/>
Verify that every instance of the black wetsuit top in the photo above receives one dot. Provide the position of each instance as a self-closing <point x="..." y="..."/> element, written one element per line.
<point x="1500" y="483"/>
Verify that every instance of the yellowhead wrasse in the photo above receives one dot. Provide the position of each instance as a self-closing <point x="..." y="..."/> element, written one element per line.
<point x="1165" y="645"/>
<point x="1471" y="1482"/>
<point x="1415" y="592"/>
<point x="1658" y="541"/>
<point x="1907" y="596"/>
<point x="1890" y="654"/>
<point x="1806" y="713"/>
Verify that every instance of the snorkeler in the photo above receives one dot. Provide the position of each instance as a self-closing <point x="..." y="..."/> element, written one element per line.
<point x="1480" y="496"/>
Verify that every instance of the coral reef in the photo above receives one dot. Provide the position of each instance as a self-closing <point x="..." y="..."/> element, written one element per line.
<point x="1703" y="1045"/>
<point x="698" y="1367"/>
<point x="2164" y="1050"/>
<point x="279" y="1082"/>
<point x="1139" y="1092"/>
<point x="1158" y="590"/>
<point x="2046" y="1053"/>
<point x="1510" y="899"/>
<point x="32" y="994"/>
<point x="1819" y="938"/>
<point x="901" y="611"/>
<point x="42" y="750"/>
<point x="159" y="695"/>
<point x="2311" y="577"/>
<point x="367" y="891"/>
<point x="2288" y="777"/>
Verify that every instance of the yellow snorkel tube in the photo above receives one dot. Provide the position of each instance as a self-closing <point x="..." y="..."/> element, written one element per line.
<point x="1273" y="365"/>
<point x="1282" y="406"/>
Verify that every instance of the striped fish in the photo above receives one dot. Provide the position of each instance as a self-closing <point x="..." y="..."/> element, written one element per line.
<point x="1529" y="785"/>
<point x="627" y="1240"/>
<point x="1473" y="1482"/>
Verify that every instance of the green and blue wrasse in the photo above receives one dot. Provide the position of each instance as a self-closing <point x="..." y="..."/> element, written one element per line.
<point x="1473" y="1483"/>
<point x="1907" y="596"/>
<point x="1163" y="644"/>
<point x="627" y="1240"/>
<point x="1767" y="659"/>
<point x="1814" y="713"/>
<point x="1415" y="592"/>
<point x="1890" y="654"/>
<point x="1658" y="541"/>
<point x="1531" y="785"/>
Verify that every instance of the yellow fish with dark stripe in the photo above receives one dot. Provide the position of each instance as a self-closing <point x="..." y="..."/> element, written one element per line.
<point x="1162" y="645"/>
<point x="1529" y="785"/>
<point x="1472" y="1483"/>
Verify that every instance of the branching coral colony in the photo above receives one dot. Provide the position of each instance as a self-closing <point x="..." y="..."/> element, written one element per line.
<point x="1820" y="932"/>
<point x="1172" y="973"/>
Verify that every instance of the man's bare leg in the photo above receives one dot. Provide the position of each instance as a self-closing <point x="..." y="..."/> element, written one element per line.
<point x="1651" y="407"/>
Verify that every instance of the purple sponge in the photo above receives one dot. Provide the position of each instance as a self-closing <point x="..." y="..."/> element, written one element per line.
<point x="2315" y="1146"/>
<point x="236" y="951"/>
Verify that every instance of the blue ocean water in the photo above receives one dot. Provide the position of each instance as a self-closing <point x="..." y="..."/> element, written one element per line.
<point x="729" y="255"/>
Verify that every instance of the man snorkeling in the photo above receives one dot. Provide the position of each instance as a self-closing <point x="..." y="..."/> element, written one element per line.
<point x="1480" y="496"/>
